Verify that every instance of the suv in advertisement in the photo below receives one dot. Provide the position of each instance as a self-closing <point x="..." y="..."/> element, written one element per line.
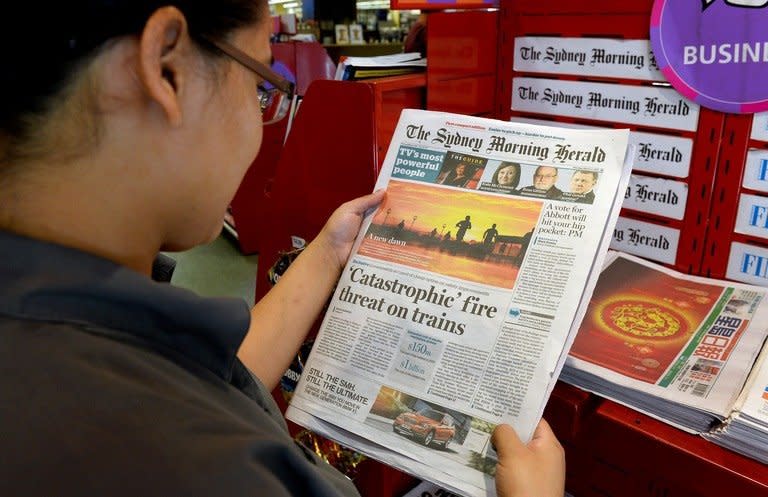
<point x="427" y="425"/>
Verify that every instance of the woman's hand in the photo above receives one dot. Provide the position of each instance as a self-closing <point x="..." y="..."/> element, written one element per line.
<point x="533" y="470"/>
<point x="338" y="234"/>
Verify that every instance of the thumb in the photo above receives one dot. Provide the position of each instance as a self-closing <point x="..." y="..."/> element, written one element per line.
<point x="543" y="432"/>
<point x="506" y="442"/>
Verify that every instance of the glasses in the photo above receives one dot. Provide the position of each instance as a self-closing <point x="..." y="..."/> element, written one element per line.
<point x="275" y="92"/>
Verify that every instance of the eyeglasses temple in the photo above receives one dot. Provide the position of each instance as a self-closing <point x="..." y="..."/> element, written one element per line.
<point x="254" y="65"/>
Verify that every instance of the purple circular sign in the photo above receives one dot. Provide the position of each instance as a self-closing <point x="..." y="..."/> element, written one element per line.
<point x="714" y="52"/>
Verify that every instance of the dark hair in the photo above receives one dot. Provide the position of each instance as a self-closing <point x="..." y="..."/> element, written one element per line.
<point x="504" y="165"/>
<point x="42" y="43"/>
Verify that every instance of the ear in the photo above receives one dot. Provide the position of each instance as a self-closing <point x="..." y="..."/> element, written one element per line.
<point x="164" y="43"/>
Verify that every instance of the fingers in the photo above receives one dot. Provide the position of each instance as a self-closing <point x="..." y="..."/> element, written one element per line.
<point x="506" y="441"/>
<point x="534" y="469"/>
<point x="362" y="204"/>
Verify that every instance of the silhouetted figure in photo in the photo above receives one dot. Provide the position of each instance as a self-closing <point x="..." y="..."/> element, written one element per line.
<point x="446" y="242"/>
<point x="433" y="233"/>
<point x="463" y="226"/>
<point x="489" y="236"/>
<point x="396" y="231"/>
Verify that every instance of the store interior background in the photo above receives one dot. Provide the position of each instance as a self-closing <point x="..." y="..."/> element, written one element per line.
<point x="383" y="29"/>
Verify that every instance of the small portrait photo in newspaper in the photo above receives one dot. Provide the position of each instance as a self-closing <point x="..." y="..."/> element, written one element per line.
<point x="461" y="170"/>
<point x="545" y="182"/>
<point x="582" y="185"/>
<point x="501" y="177"/>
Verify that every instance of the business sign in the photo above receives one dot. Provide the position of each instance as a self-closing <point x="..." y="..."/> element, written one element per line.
<point x="714" y="52"/>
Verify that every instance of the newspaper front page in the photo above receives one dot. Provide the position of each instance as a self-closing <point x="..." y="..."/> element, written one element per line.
<point x="675" y="346"/>
<point x="458" y="304"/>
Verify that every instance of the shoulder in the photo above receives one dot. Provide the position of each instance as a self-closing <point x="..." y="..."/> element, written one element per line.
<point x="98" y="412"/>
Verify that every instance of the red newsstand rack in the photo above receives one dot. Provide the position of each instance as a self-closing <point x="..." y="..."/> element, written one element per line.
<point x="740" y="140"/>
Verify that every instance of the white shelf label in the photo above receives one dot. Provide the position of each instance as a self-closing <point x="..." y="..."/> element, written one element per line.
<point x="640" y="105"/>
<point x="760" y="127"/>
<point x="748" y="263"/>
<point x="752" y="217"/>
<point x="662" y="197"/>
<point x="605" y="57"/>
<point x="756" y="171"/>
<point x="658" y="243"/>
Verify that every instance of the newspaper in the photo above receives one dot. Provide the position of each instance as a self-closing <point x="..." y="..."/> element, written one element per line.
<point x="676" y="347"/>
<point x="746" y="429"/>
<point x="463" y="292"/>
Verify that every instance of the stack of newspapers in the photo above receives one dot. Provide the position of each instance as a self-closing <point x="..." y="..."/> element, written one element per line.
<point x="685" y="350"/>
<point x="746" y="429"/>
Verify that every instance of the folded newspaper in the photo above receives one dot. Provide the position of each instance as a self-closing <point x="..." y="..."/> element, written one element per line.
<point x="746" y="429"/>
<point x="463" y="292"/>
<point x="676" y="347"/>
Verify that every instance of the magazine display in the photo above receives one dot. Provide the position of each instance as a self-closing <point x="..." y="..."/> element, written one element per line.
<point x="355" y="68"/>
<point x="463" y="292"/>
<point x="676" y="347"/>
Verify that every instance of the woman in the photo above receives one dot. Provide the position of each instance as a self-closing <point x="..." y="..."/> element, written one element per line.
<point x="458" y="176"/>
<point x="126" y="128"/>
<point x="507" y="175"/>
